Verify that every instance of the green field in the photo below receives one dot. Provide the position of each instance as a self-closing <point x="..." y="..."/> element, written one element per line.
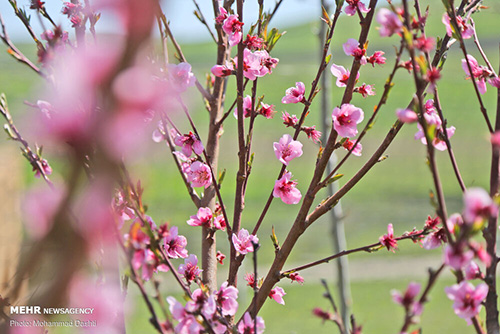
<point x="396" y="191"/>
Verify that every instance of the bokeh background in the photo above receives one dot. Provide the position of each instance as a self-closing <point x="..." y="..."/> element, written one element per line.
<point x="395" y="191"/>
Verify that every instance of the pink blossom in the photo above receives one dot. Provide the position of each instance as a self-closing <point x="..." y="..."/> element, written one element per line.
<point x="253" y="42"/>
<point x="286" y="189"/>
<point x="312" y="133"/>
<point x="295" y="277"/>
<point x="257" y="64"/>
<point x="425" y="44"/>
<point x="294" y="94"/>
<point x="44" y="165"/>
<point x="348" y="145"/>
<point x="201" y="302"/>
<point x="175" y="244"/>
<point x="480" y="73"/>
<point x="250" y="278"/>
<point x="199" y="175"/>
<point x="220" y="222"/>
<point x="351" y="48"/>
<point x="226" y="299"/>
<point x="377" y="58"/>
<point x="432" y="223"/>
<point x="457" y="257"/>
<point x="437" y="142"/>
<point x="136" y="237"/>
<point x="289" y="120"/>
<point x="180" y="76"/>
<point x="266" y="110"/>
<point x="243" y="242"/>
<point x="222" y="15"/>
<point x="277" y="294"/>
<point x="187" y="322"/>
<point x="246" y="325"/>
<point x="408" y="300"/>
<point x="406" y="115"/>
<point x="454" y="222"/>
<point x="148" y="262"/>
<point x="121" y="208"/>
<point x="467" y="298"/>
<point x="189" y="143"/>
<point x="322" y="314"/>
<point x="202" y="218"/>
<point x="472" y="271"/>
<point x="247" y="107"/>
<point x="190" y="269"/>
<point x="432" y="76"/>
<point x="220" y="257"/>
<point x="389" y="21"/>
<point x="346" y="118"/>
<point x="222" y="70"/>
<point x="232" y="27"/>
<point x="435" y="239"/>
<point x="495" y="82"/>
<point x="480" y="252"/>
<point x="388" y="240"/>
<point x="341" y="74"/>
<point x="478" y="205"/>
<point x="466" y="29"/>
<point x="287" y="149"/>
<point x="354" y="5"/>
<point x="365" y="90"/>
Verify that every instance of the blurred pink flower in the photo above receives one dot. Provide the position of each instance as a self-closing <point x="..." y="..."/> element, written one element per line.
<point x="346" y="118"/>
<point x="294" y="94"/>
<point x="465" y="28"/>
<point x="287" y="149"/>
<point x="406" y="115"/>
<point x="266" y="110"/>
<point x="472" y="271"/>
<point x="39" y="208"/>
<point x="341" y="74"/>
<point x="187" y="322"/>
<point x="478" y="205"/>
<point x="180" y="76"/>
<point x="435" y="239"/>
<point x="348" y="145"/>
<point x="408" y="300"/>
<point x="389" y="21"/>
<point x="354" y="5"/>
<point x="467" y="298"/>
<point x="243" y="242"/>
<point x="457" y="257"/>
<point x="286" y="189"/>
<point x="479" y="73"/>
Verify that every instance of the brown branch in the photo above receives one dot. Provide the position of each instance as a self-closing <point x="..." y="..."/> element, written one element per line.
<point x="368" y="248"/>
<point x="15" y="52"/>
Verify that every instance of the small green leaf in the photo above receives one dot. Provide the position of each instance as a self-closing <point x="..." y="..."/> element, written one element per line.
<point x="334" y="178"/>
<point x="221" y="177"/>
<point x="327" y="58"/>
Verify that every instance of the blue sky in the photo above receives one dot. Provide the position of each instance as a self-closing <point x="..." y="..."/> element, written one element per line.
<point x="184" y="24"/>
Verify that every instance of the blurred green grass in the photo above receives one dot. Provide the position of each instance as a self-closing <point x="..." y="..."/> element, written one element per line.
<point x="395" y="191"/>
